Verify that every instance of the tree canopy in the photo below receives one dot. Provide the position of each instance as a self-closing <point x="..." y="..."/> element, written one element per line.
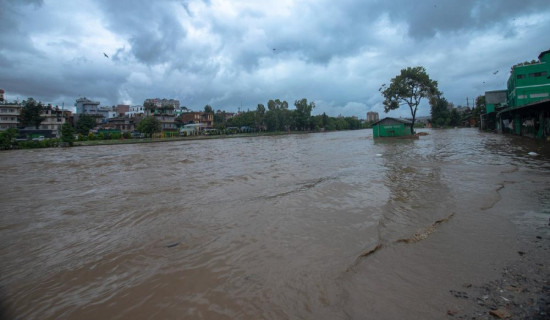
<point x="149" y="125"/>
<point x="208" y="109"/>
<point x="31" y="113"/>
<point x="67" y="133"/>
<point x="409" y="88"/>
<point x="303" y="114"/>
<point x="84" y="124"/>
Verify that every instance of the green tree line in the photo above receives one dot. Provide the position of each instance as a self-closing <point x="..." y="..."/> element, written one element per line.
<point x="278" y="117"/>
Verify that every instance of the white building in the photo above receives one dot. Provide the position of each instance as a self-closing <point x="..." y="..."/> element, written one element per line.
<point x="135" y="111"/>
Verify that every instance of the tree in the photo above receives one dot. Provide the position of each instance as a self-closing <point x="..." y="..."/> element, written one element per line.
<point x="208" y="109"/>
<point x="219" y="120"/>
<point x="149" y="125"/>
<point x="277" y="104"/>
<point x="408" y="88"/>
<point x="440" y="112"/>
<point x="84" y="124"/>
<point x="31" y="113"/>
<point x="260" y="115"/>
<point x="148" y="105"/>
<point x="245" y="119"/>
<point x="303" y="113"/>
<point x="7" y="138"/>
<point x="67" y="133"/>
<point x="454" y="118"/>
<point x="480" y="106"/>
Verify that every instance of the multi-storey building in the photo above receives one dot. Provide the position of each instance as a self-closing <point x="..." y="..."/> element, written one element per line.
<point x="527" y="108"/>
<point x="198" y="117"/>
<point x="86" y="106"/>
<point x="165" y="115"/>
<point x="135" y="111"/>
<point x="9" y="116"/>
<point x="529" y="83"/>
<point x="372" y="116"/>
<point x="54" y="118"/>
<point x="163" y="102"/>
<point x="122" y="109"/>
<point x="123" y="124"/>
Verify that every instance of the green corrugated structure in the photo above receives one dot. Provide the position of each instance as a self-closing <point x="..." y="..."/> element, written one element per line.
<point x="391" y="127"/>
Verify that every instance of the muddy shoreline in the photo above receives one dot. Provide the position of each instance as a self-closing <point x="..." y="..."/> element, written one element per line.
<point x="520" y="291"/>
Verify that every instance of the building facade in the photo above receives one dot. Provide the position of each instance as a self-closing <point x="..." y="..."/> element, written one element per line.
<point x="392" y="127"/>
<point x="372" y="116"/>
<point x="198" y="117"/>
<point x="529" y="83"/>
<point x="86" y="106"/>
<point x="122" y="109"/>
<point x="527" y="109"/>
<point x="135" y="111"/>
<point x="54" y="118"/>
<point x="9" y="116"/>
<point x="163" y="102"/>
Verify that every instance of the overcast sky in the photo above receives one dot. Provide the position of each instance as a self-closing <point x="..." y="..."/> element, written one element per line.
<point x="233" y="53"/>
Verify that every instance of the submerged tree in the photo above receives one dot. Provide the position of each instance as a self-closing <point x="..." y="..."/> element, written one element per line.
<point x="408" y="88"/>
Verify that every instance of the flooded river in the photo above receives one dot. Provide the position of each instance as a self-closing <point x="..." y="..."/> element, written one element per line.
<point x="312" y="226"/>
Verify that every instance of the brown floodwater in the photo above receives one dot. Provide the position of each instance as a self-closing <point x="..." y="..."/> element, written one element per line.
<point x="313" y="226"/>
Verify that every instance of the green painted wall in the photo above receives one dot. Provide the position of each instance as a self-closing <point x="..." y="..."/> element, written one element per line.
<point x="529" y="83"/>
<point x="390" y="130"/>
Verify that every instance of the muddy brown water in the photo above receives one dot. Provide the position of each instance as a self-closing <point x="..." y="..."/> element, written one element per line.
<point x="281" y="227"/>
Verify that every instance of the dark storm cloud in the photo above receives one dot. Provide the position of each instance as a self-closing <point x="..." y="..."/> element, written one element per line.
<point x="232" y="53"/>
<point x="426" y="18"/>
<point x="151" y="27"/>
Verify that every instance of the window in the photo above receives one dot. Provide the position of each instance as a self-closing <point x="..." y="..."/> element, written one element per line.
<point x="537" y="74"/>
<point x="522" y="96"/>
<point x="521" y="76"/>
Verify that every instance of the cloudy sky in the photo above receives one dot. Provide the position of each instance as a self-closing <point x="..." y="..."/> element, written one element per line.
<point x="238" y="53"/>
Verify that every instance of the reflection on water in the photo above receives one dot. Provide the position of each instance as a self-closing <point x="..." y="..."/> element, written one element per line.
<point x="246" y="228"/>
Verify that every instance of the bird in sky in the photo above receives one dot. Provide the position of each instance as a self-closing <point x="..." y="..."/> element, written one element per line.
<point x="106" y="56"/>
<point x="495" y="72"/>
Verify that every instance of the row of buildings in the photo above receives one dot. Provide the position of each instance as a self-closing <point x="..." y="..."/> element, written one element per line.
<point x="523" y="108"/>
<point x="124" y="118"/>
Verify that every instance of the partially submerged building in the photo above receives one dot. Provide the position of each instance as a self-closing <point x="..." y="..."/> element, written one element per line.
<point x="392" y="127"/>
<point x="526" y="110"/>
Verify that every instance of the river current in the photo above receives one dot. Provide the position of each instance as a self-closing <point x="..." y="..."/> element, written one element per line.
<point x="310" y="226"/>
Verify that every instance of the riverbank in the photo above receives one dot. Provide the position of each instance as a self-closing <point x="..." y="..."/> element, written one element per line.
<point x="173" y="139"/>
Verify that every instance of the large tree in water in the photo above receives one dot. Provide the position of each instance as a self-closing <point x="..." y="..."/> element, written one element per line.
<point x="408" y="88"/>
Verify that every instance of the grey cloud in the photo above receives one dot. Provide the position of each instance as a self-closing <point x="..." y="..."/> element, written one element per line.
<point x="427" y="18"/>
<point x="152" y="28"/>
